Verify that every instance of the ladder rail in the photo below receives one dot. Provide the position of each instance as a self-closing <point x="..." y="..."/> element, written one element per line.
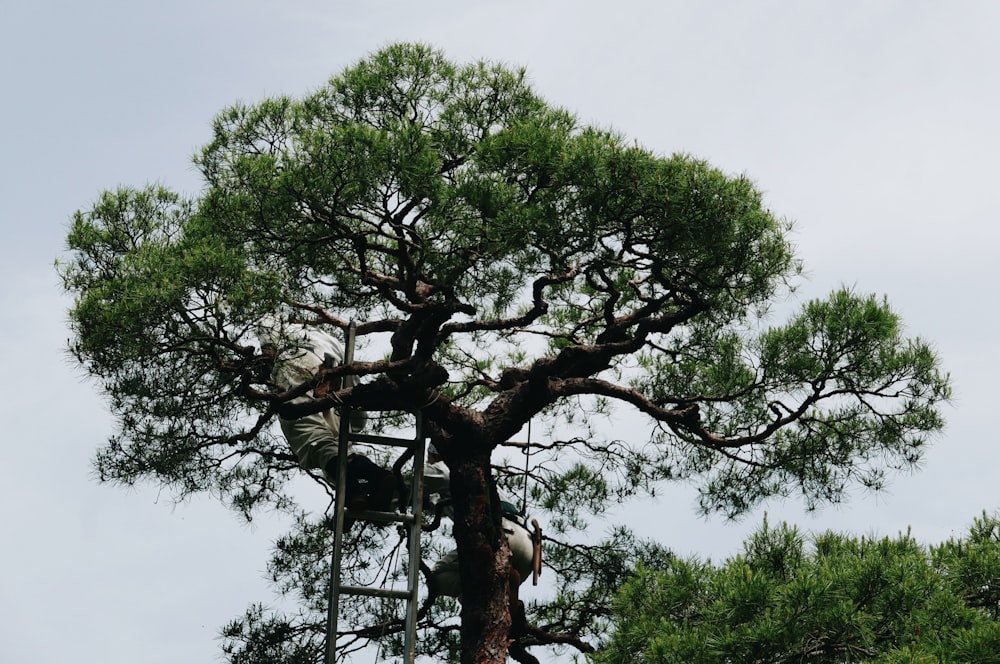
<point x="413" y="573"/>
<point x="340" y="498"/>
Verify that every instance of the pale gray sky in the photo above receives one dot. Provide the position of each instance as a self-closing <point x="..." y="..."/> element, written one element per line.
<point x="871" y="124"/>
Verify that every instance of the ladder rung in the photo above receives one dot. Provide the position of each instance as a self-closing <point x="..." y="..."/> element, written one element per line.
<point x="375" y="592"/>
<point x="380" y="517"/>
<point x="380" y="440"/>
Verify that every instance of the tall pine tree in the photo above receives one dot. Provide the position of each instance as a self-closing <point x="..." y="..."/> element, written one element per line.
<point x="506" y="264"/>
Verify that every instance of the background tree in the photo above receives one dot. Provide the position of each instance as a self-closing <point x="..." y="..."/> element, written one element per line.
<point x="506" y="264"/>
<point x="840" y="598"/>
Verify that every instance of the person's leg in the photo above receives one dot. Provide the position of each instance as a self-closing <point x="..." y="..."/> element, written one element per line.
<point x="312" y="440"/>
<point x="315" y="443"/>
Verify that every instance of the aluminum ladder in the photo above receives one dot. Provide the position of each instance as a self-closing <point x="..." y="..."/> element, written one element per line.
<point x="411" y="519"/>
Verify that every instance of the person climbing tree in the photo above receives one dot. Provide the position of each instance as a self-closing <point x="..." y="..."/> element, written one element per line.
<point x="445" y="578"/>
<point x="297" y="352"/>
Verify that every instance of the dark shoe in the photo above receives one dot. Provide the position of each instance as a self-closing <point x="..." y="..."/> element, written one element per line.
<point x="360" y="472"/>
<point x="356" y="493"/>
<point x="382" y="492"/>
<point x="370" y="487"/>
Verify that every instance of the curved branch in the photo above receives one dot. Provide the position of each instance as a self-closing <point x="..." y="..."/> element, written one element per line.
<point x="680" y="420"/>
<point x="539" y="308"/>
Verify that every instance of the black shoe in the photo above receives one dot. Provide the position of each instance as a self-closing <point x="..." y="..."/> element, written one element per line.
<point x="368" y="486"/>
<point x="375" y="495"/>
<point x="381" y="493"/>
<point x="373" y="484"/>
<point x="356" y="487"/>
<point x="356" y="493"/>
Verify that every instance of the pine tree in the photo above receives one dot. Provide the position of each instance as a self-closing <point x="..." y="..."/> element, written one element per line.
<point x="506" y="264"/>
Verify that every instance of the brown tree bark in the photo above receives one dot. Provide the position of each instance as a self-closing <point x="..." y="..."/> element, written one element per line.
<point x="484" y="563"/>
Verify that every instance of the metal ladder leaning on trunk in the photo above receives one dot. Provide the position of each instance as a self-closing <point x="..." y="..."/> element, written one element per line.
<point x="410" y="519"/>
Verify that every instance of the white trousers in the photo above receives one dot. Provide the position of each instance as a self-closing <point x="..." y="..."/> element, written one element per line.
<point x="314" y="438"/>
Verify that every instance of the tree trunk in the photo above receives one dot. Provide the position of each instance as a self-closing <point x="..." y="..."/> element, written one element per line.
<point x="484" y="563"/>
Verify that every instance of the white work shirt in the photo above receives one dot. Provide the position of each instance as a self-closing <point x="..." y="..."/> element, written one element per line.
<point x="300" y="352"/>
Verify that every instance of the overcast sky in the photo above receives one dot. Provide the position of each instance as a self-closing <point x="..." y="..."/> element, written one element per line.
<point x="872" y="125"/>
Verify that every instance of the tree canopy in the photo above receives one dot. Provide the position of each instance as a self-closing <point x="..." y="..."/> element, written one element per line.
<point x="505" y="264"/>
<point x="835" y="598"/>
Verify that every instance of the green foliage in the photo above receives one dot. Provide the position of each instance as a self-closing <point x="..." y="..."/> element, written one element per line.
<point x="842" y="392"/>
<point x="506" y="264"/>
<point x="840" y="598"/>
